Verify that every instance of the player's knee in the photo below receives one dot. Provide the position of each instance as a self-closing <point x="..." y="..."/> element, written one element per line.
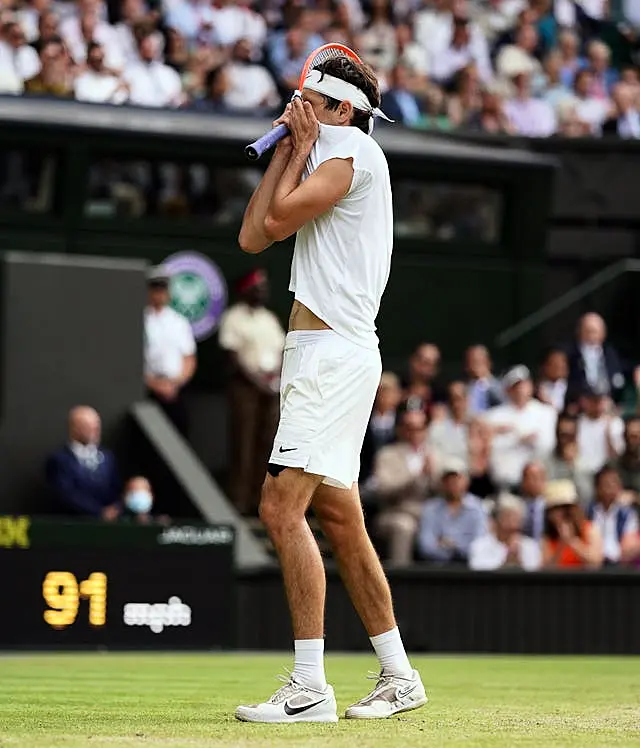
<point x="268" y="508"/>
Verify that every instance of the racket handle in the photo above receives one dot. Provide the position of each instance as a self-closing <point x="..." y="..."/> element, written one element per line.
<point x="254" y="150"/>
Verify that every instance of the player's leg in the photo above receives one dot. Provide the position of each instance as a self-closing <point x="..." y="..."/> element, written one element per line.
<point x="399" y="687"/>
<point x="305" y="697"/>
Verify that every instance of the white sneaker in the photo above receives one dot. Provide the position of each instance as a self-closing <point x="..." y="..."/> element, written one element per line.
<point x="391" y="695"/>
<point x="293" y="703"/>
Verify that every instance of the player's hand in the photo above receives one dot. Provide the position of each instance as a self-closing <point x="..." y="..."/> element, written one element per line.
<point x="284" y="146"/>
<point x="303" y="125"/>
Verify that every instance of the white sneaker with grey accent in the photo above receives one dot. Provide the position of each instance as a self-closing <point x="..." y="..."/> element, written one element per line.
<point x="393" y="694"/>
<point x="293" y="702"/>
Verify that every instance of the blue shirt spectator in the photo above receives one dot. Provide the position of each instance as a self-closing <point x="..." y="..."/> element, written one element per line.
<point x="83" y="477"/>
<point x="451" y="523"/>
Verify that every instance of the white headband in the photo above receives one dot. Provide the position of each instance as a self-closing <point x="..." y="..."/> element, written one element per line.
<point x="341" y="90"/>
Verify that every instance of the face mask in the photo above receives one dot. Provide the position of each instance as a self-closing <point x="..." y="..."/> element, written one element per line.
<point x="139" y="502"/>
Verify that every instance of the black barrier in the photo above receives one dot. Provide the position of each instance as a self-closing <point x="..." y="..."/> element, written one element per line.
<point x="462" y="611"/>
<point x="123" y="586"/>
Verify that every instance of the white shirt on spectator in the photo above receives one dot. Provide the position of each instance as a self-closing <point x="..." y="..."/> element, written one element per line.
<point x="233" y="23"/>
<point x="487" y="553"/>
<point x="28" y="18"/>
<point x="508" y="454"/>
<point x="445" y="63"/>
<point x="606" y="520"/>
<point x="593" y="443"/>
<point x="168" y="339"/>
<point x="153" y="84"/>
<point x="99" y="88"/>
<point x="255" y="335"/>
<point x="556" y="392"/>
<point x="476" y="51"/>
<point x="592" y="111"/>
<point x="250" y="86"/>
<point x="193" y="19"/>
<point x="433" y="29"/>
<point x="415" y="57"/>
<point x="24" y="61"/>
<point x="10" y="82"/>
<point x="104" y="35"/>
<point x="531" y="117"/>
<point x="447" y="438"/>
<point x="129" y="46"/>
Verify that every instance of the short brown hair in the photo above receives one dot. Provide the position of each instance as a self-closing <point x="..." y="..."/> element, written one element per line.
<point x="358" y="74"/>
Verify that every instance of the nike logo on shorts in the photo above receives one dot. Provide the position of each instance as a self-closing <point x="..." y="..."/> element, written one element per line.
<point x="290" y="449"/>
<point x="291" y="710"/>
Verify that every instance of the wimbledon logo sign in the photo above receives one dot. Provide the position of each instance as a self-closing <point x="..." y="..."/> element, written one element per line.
<point x="198" y="291"/>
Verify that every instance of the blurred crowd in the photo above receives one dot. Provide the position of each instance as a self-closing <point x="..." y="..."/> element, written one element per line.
<point x="524" y="67"/>
<point x="519" y="470"/>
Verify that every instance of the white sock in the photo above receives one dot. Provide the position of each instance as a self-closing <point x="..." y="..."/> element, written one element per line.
<point x="308" y="666"/>
<point x="390" y="651"/>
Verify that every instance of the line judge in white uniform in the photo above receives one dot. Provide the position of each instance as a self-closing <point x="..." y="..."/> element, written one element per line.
<point x="169" y="351"/>
<point x="329" y="183"/>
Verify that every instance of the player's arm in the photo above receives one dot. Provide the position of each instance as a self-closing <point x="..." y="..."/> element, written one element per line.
<point x="294" y="203"/>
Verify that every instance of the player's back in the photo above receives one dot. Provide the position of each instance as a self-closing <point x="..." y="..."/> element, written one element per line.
<point x="342" y="258"/>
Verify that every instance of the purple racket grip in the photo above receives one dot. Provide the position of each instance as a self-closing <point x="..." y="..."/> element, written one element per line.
<point x="254" y="150"/>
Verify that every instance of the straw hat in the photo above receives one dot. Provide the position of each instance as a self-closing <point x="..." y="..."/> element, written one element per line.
<point x="560" y="493"/>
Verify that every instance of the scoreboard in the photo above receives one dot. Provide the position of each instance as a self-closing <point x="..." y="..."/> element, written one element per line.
<point x="67" y="584"/>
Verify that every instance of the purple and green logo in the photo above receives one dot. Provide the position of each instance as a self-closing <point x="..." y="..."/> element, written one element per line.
<point x="198" y="291"/>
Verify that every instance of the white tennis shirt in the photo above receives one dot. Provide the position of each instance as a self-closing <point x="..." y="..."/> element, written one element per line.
<point x="342" y="258"/>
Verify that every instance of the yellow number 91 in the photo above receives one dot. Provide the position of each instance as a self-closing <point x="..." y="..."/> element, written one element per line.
<point x="62" y="594"/>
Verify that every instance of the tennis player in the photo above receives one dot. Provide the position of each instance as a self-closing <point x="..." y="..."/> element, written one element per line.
<point x="329" y="182"/>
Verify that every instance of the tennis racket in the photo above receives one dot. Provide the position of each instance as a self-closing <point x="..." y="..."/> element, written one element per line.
<point x="327" y="52"/>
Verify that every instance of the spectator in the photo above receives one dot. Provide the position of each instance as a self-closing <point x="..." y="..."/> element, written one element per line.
<point x="570" y="541"/>
<point x="251" y="86"/>
<point x="48" y="30"/>
<point x="378" y="43"/>
<point x="421" y="382"/>
<point x="554" y="373"/>
<point x="523" y="429"/>
<point x="79" y="32"/>
<point x="497" y="16"/>
<point x="29" y="16"/>
<point x="569" y="123"/>
<point x="195" y="20"/>
<point x="616" y="522"/>
<point x="170" y="351"/>
<point x="177" y="51"/>
<point x="484" y="390"/>
<point x="435" y="116"/>
<point x="600" y="433"/>
<point x="216" y="87"/>
<point x="97" y="84"/>
<point x="235" y="20"/>
<point x="565" y="462"/>
<point x="381" y="430"/>
<point x="83" y="477"/>
<point x="466" y="100"/>
<point x="519" y="58"/>
<point x="628" y="463"/>
<point x="505" y="546"/>
<point x="254" y="340"/>
<point x="16" y="55"/>
<point x="411" y="54"/>
<point x="139" y="501"/>
<point x="591" y="110"/>
<point x="133" y="19"/>
<point x="402" y="476"/>
<point x="491" y="118"/>
<point x="626" y="122"/>
<point x="531" y="491"/>
<point x="479" y="438"/>
<point x="555" y="90"/>
<point x="151" y="82"/>
<point x="448" y="437"/>
<point x="399" y="103"/>
<point x="593" y="361"/>
<point x="446" y="62"/>
<point x="451" y="523"/>
<point x="54" y="78"/>
<point x="292" y="62"/>
<point x="569" y="48"/>
<point x="528" y="116"/>
<point x="603" y="75"/>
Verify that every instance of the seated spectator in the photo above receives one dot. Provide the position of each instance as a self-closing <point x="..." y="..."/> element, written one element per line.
<point x="421" y="382"/>
<point x="516" y="59"/>
<point x="235" y="20"/>
<point x="603" y="76"/>
<point x="505" y="546"/>
<point x="565" y="462"/>
<point x="138" y="502"/>
<point x="435" y="116"/>
<point x="451" y="522"/>
<point x="466" y="100"/>
<point x="555" y="91"/>
<point x="29" y="16"/>
<point x="83" y="477"/>
<point x="133" y="18"/>
<point x="378" y="44"/>
<point x="491" y="118"/>
<point x="79" y="32"/>
<point x="593" y="361"/>
<point x="151" y="82"/>
<point x="628" y="463"/>
<point x="483" y="388"/>
<point x="534" y="479"/>
<point x="176" y="51"/>
<point x="569" y="48"/>
<point x="290" y="65"/>
<point x="411" y="54"/>
<point x="523" y="429"/>
<point x="402" y="474"/>
<point x="195" y="20"/>
<point x="495" y="18"/>
<point x="97" y="84"/>
<point x="251" y="86"/>
<point x="458" y="54"/>
<point x="626" y="120"/>
<point x="600" y="433"/>
<point x="479" y="459"/>
<point x="54" y="78"/>
<point x="592" y="110"/>
<point x="569" y="123"/>
<point x="528" y="116"/>
<point x="16" y="55"/>
<point x="570" y="541"/>
<point x="448" y="437"/>
<point x="381" y="430"/>
<point x="216" y="88"/>
<point x="553" y="382"/>
<point x="399" y="103"/>
<point x="48" y="30"/>
<point x="616" y="522"/>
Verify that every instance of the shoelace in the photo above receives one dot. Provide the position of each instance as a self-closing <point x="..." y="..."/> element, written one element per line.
<point x="289" y="688"/>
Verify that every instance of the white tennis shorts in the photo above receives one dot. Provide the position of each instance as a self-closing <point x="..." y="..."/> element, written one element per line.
<point x="326" y="396"/>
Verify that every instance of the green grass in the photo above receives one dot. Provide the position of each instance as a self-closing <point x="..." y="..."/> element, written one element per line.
<point x="113" y="700"/>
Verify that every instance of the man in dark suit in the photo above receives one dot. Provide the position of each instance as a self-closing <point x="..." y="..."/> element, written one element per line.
<point x="626" y="122"/>
<point x="399" y="103"/>
<point x="84" y="478"/>
<point x="593" y="362"/>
